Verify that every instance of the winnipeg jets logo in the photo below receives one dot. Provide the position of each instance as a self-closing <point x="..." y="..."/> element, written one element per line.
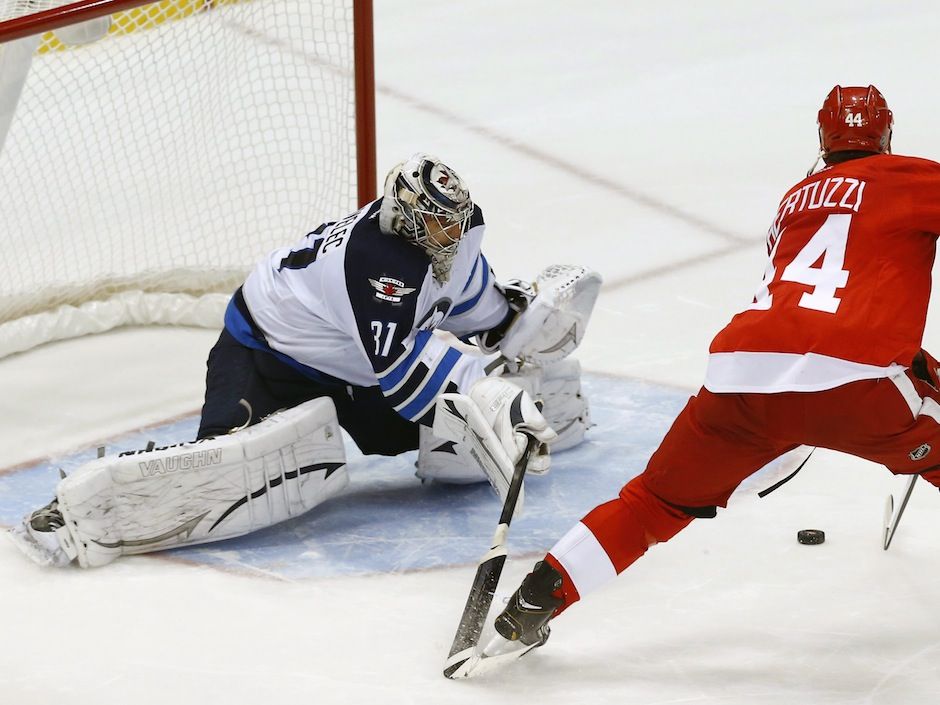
<point x="435" y="316"/>
<point x="448" y="183"/>
<point x="389" y="289"/>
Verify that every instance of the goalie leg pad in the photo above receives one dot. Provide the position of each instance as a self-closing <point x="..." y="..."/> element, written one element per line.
<point x="558" y="386"/>
<point x="446" y="461"/>
<point x="212" y="489"/>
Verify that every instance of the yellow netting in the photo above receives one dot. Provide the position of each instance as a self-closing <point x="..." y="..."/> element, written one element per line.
<point x="143" y="18"/>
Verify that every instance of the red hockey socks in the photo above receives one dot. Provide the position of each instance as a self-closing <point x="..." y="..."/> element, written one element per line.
<point x="611" y="537"/>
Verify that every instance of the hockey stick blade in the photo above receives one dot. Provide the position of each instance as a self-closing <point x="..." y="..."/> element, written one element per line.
<point x="891" y="522"/>
<point x="886" y="526"/>
<point x="467" y="637"/>
<point x="474" y="612"/>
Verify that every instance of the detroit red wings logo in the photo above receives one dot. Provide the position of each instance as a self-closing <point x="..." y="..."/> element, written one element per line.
<point x="389" y="289"/>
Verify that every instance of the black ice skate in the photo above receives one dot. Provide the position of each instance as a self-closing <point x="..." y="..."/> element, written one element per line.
<point x="526" y="617"/>
<point x="44" y="538"/>
<point x="47" y="519"/>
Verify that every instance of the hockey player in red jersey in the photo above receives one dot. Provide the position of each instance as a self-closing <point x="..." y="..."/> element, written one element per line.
<point x="828" y="354"/>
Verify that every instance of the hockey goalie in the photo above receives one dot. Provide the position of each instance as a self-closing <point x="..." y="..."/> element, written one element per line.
<point x="357" y="326"/>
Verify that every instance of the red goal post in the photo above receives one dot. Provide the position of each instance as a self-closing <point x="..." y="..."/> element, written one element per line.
<point x="150" y="153"/>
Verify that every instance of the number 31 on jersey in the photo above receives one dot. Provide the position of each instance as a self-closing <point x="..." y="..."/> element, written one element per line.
<point x="828" y="243"/>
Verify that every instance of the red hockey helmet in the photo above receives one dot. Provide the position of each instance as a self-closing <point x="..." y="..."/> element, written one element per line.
<point x="855" y="118"/>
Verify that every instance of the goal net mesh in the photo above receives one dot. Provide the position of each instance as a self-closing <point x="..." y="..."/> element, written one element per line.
<point x="143" y="173"/>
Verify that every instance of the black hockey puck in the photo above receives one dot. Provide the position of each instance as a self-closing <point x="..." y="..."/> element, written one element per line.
<point x="811" y="537"/>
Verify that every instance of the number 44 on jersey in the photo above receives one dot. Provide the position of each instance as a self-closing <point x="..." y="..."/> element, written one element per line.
<point x="828" y="245"/>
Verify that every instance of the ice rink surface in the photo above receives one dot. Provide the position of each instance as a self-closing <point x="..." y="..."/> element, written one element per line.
<point x="651" y="142"/>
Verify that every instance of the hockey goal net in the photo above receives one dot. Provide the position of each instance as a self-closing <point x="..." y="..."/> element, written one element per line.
<point x="151" y="153"/>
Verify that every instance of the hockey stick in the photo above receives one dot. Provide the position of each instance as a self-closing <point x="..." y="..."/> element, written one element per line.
<point x="489" y="569"/>
<point x="891" y="524"/>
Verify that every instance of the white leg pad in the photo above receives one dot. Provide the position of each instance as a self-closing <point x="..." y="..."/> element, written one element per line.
<point x="194" y="493"/>
<point x="446" y="461"/>
<point x="558" y="386"/>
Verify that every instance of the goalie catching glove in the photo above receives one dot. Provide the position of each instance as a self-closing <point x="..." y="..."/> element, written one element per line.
<point x="492" y="423"/>
<point x="551" y="316"/>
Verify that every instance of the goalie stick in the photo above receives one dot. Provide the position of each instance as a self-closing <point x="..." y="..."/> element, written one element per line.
<point x="891" y="522"/>
<point x="463" y="651"/>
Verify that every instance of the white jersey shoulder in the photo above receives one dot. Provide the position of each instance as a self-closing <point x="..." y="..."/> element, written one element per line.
<point x="352" y="302"/>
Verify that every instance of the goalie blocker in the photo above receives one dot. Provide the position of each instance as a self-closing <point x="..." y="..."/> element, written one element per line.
<point x="494" y="424"/>
<point x="550" y="321"/>
<point x="191" y="493"/>
<point x="556" y="386"/>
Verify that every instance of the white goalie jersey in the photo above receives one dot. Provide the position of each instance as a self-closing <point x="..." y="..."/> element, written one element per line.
<point x="350" y="304"/>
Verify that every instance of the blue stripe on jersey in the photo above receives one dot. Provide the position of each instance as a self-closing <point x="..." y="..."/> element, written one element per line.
<point x="470" y="303"/>
<point x="473" y="273"/>
<point x="407" y="389"/>
<point x="391" y="377"/>
<point x="433" y="387"/>
<point x="236" y="324"/>
<point x="246" y="333"/>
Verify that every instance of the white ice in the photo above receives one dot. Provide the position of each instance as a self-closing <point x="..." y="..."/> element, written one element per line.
<point x="652" y="142"/>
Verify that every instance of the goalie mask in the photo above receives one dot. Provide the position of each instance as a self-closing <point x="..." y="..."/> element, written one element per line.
<point x="427" y="203"/>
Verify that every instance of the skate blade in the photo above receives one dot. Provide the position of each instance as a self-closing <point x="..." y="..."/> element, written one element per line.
<point x="37" y="552"/>
<point x="497" y="654"/>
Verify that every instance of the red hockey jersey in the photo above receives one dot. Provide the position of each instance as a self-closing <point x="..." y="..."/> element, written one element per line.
<point x="845" y="293"/>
